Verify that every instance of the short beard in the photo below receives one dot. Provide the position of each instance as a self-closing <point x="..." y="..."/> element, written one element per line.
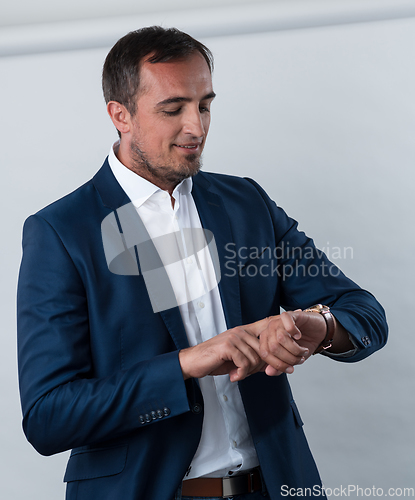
<point x="166" y="175"/>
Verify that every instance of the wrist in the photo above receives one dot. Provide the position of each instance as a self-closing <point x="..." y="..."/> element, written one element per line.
<point x="183" y="364"/>
<point x="328" y="317"/>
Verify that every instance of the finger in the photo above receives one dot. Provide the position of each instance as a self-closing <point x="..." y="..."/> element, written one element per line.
<point x="255" y="329"/>
<point x="246" y="341"/>
<point x="275" y="364"/>
<point x="272" y="372"/>
<point x="249" y="346"/>
<point x="224" y="369"/>
<point x="290" y="326"/>
<point x="277" y="340"/>
<point x="260" y="367"/>
<point x="243" y="353"/>
<point x="284" y="347"/>
<point x="237" y="374"/>
<point x="280" y="351"/>
<point x="282" y="364"/>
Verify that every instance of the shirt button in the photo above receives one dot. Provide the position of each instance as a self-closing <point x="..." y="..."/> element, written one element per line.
<point x="201" y="305"/>
<point x="225" y="397"/>
<point x="189" y="260"/>
<point x="234" y="444"/>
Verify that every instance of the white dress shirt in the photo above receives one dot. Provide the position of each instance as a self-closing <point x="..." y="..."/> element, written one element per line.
<point x="226" y="444"/>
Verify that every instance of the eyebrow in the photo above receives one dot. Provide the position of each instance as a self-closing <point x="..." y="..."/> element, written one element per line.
<point x="172" y="100"/>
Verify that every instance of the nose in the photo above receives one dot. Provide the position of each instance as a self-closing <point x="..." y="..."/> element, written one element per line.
<point x="194" y="123"/>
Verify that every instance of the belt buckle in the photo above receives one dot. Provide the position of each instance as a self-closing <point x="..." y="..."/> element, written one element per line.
<point x="236" y="485"/>
<point x="251" y="481"/>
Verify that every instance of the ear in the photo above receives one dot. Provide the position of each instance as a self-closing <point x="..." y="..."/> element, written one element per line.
<point x="119" y="115"/>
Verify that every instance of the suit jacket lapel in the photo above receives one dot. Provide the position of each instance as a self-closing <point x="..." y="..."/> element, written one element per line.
<point x="114" y="197"/>
<point x="214" y="217"/>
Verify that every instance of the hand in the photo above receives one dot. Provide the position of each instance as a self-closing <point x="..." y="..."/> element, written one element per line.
<point x="289" y="339"/>
<point x="235" y="351"/>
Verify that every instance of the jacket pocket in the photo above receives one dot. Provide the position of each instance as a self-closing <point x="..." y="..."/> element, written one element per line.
<point x="94" y="463"/>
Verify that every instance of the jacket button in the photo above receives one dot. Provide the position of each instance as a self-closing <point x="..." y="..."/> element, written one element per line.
<point x="147" y="417"/>
<point x="160" y="414"/>
<point x="141" y="418"/>
<point x="166" y="411"/>
<point x="196" y="408"/>
<point x="154" y="415"/>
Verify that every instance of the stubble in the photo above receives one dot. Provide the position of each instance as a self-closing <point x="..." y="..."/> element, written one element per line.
<point x="163" y="175"/>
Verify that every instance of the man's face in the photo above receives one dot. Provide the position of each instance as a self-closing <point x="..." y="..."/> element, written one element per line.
<point x="170" y="126"/>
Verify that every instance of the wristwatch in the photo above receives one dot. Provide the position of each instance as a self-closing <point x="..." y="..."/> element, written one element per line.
<point x="330" y="323"/>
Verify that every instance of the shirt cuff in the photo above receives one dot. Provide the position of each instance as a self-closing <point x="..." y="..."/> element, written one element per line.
<point x="346" y="354"/>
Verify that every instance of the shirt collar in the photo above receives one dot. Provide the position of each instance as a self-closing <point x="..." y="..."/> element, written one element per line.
<point x="138" y="189"/>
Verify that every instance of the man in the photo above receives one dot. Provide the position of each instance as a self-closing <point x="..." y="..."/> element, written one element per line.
<point x="150" y="336"/>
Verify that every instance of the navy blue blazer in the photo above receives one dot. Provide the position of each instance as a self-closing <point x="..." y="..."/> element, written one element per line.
<point x="99" y="370"/>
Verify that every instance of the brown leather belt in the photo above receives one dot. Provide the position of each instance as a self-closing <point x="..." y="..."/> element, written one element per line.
<point x="223" y="487"/>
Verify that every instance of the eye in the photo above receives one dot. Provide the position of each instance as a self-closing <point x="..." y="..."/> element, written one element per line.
<point x="172" y="113"/>
<point x="204" y="109"/>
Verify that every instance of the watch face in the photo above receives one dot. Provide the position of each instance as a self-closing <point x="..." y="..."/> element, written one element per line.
<point x="318" y="308"/>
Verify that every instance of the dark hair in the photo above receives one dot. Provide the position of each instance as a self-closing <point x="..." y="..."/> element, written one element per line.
<point x="121" y="72"/>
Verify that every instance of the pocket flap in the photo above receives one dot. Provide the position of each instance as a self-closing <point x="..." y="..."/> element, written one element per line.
<point x="93" y="463"/>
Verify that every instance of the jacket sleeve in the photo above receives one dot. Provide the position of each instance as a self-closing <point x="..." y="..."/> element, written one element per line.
<point x="308" y="277"/>
<point x="63" y="405"/>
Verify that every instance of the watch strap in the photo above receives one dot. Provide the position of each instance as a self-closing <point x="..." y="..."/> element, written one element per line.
<point x="330" y="324"/>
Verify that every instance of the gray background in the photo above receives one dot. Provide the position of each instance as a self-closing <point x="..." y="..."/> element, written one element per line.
<point x="315" y="100"/>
